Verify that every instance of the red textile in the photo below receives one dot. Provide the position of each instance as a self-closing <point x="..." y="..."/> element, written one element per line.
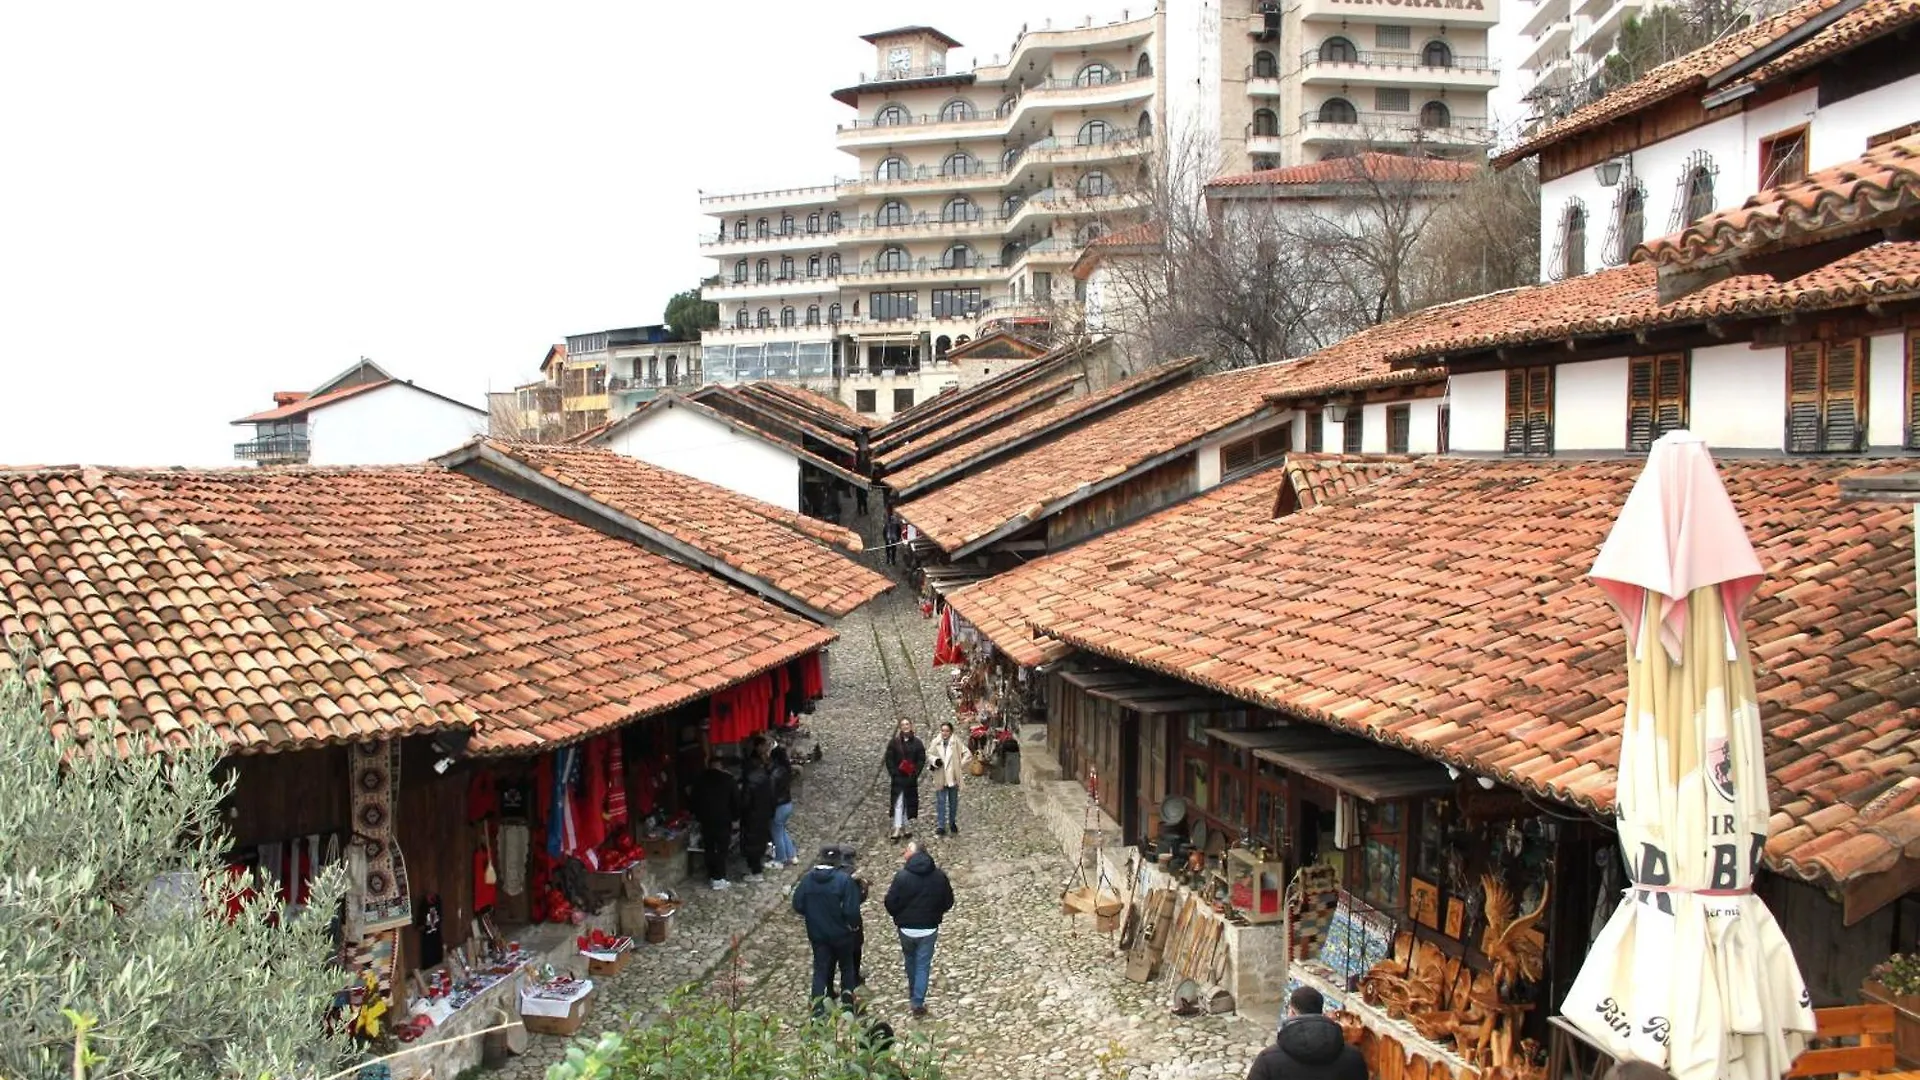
<point x="482" y="800"/>
<point x="483" y="892"/>
<point x="590" y="802"/>
<point x="944" y="650"/>
<point x="616" y="784"/>
<point x="812" y="684"/>
<point x="734" y="714"/>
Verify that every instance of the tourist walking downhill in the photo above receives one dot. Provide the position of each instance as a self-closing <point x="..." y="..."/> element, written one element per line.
<point x="905" y="760"/>
<point x="918" y="899"/>
<point x="948" y="756"/>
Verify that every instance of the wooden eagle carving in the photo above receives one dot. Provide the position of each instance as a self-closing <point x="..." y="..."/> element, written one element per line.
<point x="1506" y="941"/>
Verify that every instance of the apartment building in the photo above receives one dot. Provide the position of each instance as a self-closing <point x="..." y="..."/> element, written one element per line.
<point x="977" y="191"/>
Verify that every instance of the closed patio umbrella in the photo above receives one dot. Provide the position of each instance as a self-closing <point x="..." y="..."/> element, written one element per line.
<point x="1691" y="973"/>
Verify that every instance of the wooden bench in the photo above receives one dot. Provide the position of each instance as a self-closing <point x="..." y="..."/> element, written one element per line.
<point x="1871" y="1056"/>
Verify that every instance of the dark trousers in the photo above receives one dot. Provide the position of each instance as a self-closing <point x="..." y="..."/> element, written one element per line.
<point x="835" y="958"/>
<point x="754" y="847"/>
<point x="716" y="841"/>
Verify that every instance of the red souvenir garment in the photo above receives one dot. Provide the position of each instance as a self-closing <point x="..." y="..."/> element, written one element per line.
<point x="812" y="684"/>
<point x="616" y="784"/>
<point x="944" y="650"/>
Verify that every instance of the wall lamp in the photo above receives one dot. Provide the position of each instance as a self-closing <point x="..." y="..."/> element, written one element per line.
<point x="1611" y="170"/>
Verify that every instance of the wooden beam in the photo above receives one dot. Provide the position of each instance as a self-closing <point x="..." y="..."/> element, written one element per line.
<point x="1863" y="896"/>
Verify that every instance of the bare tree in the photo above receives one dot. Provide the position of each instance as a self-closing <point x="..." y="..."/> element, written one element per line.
<point x="1484" y="238"/>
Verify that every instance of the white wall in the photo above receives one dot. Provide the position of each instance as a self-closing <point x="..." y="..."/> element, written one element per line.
<point x="1590" y="406"/>
<point x="685" y="441"/>
<point x="1478" y="411"/>
<point x="1737" y="397"/>
<point x="1423" y="436"/>
<point x="394" y="425"/>
<point x="1886" y="390"/>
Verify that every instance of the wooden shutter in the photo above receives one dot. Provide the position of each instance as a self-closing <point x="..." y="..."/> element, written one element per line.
<point x="1516" y="410"/>
<point x="1840" y="404"/>
<point x="1913" y="391"/>
<point x="1803" y="398"/>
<point x="1656" y="398"/>
<point x="1237" y="455"/>
<point x="1530" y="411"/>
<point x="1399" y="429"/>
<point x="1826" y="397"/>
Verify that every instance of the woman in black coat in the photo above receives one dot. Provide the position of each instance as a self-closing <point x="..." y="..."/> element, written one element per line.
<point x="756" y="814"/>
<point x="906" y="759"/>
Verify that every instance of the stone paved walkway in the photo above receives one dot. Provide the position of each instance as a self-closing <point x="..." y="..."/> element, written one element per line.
<point x="1018" y="991"/>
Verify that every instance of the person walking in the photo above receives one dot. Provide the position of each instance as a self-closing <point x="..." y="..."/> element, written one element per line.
<point x="781" y="768"/>
<point x="949" y="756"/>
<point x="905" y="760"/>
<point x="829" y="900"/>
<point x="756" y="810"/>
<point x="716" y="803"/>
<point x="1308" y="1046"/>
<point x="890" y="536"/>
<point x="918" y="899"/>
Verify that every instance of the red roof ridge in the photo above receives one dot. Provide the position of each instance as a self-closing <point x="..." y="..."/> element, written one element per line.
<point x="307" y="404"/>
<point x="1360" y="166"/>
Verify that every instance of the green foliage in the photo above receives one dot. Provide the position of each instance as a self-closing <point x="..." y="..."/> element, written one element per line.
<point x="701" y="1036"/>
<point x="119" y="961"/>
<point x="687" y="315"/>
<point x="1664" y="33"/>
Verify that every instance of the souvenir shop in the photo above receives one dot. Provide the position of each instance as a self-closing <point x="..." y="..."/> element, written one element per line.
<point x="991" y="695"/>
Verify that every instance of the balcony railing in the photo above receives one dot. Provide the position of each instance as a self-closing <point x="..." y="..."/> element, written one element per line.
<point x="1045" y="86"/>
<point x="1386" y="59"/>
<point x="931" y="71"/>
<point x="272" y="448"/>
<point x="1406" y="126"/>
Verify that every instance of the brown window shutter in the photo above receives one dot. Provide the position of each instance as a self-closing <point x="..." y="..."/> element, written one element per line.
<point x="1670" y="393"/>
<point x="1540" y="411"/>
<point x="1841" y="405"/>
<point x="1237" y="455"/>
<point x="1913" y="391"/>
<point x="1640" y="403"/>
<point x="1803" y="398"/>
<point x="1516" y="410"/>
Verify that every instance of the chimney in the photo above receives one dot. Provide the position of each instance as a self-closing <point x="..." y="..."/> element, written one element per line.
<point x="287" y="397"/>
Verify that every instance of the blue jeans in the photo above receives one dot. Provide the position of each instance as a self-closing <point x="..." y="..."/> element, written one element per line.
<point x="946" y="807"/>
<point x="918" y="953"/>
<point x="783" y="848"/>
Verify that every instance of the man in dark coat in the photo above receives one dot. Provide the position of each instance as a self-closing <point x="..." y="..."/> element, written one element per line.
<point x="1309" y="1046"/>
<point x="918" y="899"/>
<point x="716" y="803"/>
<point x="756" y="813"/>
<point x="829" y="900"/>
<point x="905" y="760"/>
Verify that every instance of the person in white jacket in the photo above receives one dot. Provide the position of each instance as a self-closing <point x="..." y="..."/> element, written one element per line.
<point x="947" y="758"/>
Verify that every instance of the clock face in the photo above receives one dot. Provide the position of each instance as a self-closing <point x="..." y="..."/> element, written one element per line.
<point x="899" y="59"/>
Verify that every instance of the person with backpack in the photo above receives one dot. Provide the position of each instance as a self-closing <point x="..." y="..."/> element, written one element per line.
<point x="756" y="811"/>
<point x="920" y="896"/>
<point x="828" y="898"/>
<point x="716" y="803"/>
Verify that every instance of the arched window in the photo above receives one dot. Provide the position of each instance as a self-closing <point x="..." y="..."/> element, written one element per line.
<point x="957" y="257"/>
<point x="1006" y="106"/>
<point x="740" y="229"/>
<point x="786" y="316"/>
<point x="1265" y="122"/>
<point x="1265" y="66"/>
<point x="940" y="346"/>
<point x="763" y="228"/>
<point x="813" y="265"/>
<point x="833" y="263"/>
<point x="960" y="163"/>
<point x="786" y="224"/>
<point x="959" y="208"/>
<point x="1338" y="50"/>
<point x="813" y="222"/>
<point x="1009" y="252"/>
<point x="892" y="116"/>
<point x="1437" y="54"/>
<point x="1629" y="221"/>
<point x="957" y="110"/>
<point x="740" y="318"/>
<point x="1096" y="74"/>
<point x="1095" y="184"/>
<point x="1435" y="114"/>
<point x="892" y="212"/>
<point x="1338" y="111"/>
<point x="833" y="221"/>
<point x="1007" y="159"/>
<point x="813" y="314"/>
<point x="892" y="168"/>
<point x="1010" y="205"/>
<point x="1699" y="188"/>
<point x="1145" y="127"/>
<point x="786" y="268"/>
<point x="892" y="259"/>
<point x="1573" y="240"/>
<point x="1143" y="67"/>
<point x="1095" y="132"/>
<point x="833" y="313"/>
<point x="740" y="270"/>
<point x="762" y="271"/>
<point x="763" y="317"/>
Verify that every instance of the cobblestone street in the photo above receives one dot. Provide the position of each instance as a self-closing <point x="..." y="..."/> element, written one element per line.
<point x="1018" y="990"/>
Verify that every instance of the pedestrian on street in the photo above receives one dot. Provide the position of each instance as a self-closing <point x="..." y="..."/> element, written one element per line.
<point x="918" y="899"/>
<point x="1308" y="1046"/>
<point x="949" y="760"/>
<point x="715" y="806"/>
<point x="890" y="537"/>
<point x="860" y="500"/>
<point x="829" y="900"/>
<point x="781" y="768"/>
<point x="756" y="809"/>
<point x="905" y="760"/>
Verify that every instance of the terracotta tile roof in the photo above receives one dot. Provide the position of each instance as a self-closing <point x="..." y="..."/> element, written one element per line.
<point x="1870" y="20"/>
<point x="1446" y="608"/>
<point x="1025" y="487"/>
<point x="782" y="420"/>
<point x="1139" y="234"/>
<point x="758" y="431"/>
<point x="943" y="405"/>
<point x="1868" y="192"/>
<point x="1691" y="72"/>
<point x="150" y="628"/>
<point x="1370" y="165"/>
<point x="970" y="423"/>
<point x="1308" y="480"/>
<point x="823" y="404"/>
<point x="307" y="404"/>
<point x="544" y="629"/>
<point x="587" y="437"/>
<point x="1001" y="439"/>
<point x="774" y="546"/>
<point x="1625" y="299"/>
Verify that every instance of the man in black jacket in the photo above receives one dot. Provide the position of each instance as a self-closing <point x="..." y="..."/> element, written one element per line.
<point x="716" y="804"/>
<point x="756" y="813"/>
<point x="918" y="899"/>
<point x="829" y="900"/>
<point x="1309" y="1046"/>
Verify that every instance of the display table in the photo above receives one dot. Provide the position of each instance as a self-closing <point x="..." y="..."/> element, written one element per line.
<point x="1407" y="1043"/>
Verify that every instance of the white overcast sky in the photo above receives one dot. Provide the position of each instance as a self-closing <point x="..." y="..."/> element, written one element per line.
<point x="205" y="202"/>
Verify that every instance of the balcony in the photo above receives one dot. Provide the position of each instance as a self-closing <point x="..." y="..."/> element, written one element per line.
<point x="1545" y="14"/>
<point x="1598" y="37"/>
<point x="756" y="288"/>
<point x="923" y="271"/>
<point x="1375" y="67"/>
<point x="282" y="449"/>
<point x="780" y="198"/>
<point x="1479" y="13"/>
<point x="1047" y="95"/>
<point x="1265" y="144"/>
<point x="1553" y="43"/>
<point x="1262" y="86"/>
<point x="1394" y="129"/>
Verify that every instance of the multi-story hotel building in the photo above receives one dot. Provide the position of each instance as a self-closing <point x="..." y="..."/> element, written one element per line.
<point x="978" y="189"/>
